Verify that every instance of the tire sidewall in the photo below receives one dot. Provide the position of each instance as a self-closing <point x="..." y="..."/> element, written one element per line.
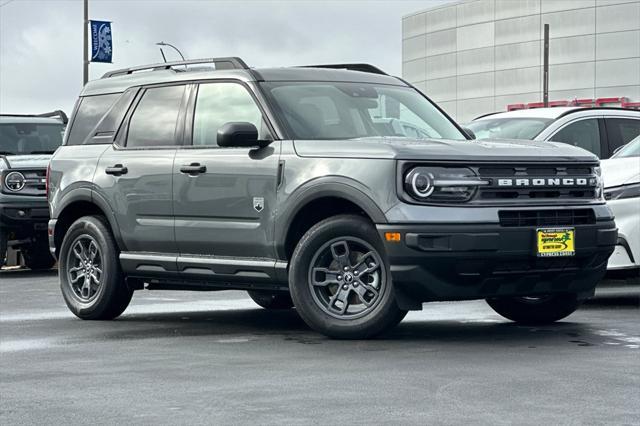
<point x="340" y="226"/>
<point x="95" y="228"/>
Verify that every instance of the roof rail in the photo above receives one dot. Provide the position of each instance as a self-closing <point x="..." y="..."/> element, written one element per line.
<point x="352" y="67"/>
<point x="56" y="113"/>
<point x="231" y="62"/>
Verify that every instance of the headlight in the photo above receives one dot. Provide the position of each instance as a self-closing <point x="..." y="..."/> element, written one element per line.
<point x="442" y="184"/>
<point x="621" y="192"/>
<point x="14" y="181"/>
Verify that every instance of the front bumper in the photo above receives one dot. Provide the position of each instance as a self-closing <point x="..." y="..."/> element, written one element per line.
<point x="458" y="262"/>
<point x="25" y="215"/>
<point x="627" y="252"/>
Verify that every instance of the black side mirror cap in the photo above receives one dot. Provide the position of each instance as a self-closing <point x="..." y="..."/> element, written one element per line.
<point x="240" y="134"/>
<point x="469" y="132"/>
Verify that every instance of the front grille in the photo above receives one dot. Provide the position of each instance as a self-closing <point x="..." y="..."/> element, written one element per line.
<point x="537" y="182"/>
<point x="570" y="217"/>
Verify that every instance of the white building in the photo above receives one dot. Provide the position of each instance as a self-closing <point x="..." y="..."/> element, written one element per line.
<point x="478" y="56"/>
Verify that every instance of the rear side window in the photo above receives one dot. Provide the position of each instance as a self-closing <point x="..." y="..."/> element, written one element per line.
<point x="621" y="131"/>
<point x="154" y="121"/>
<point x="90" y="110"/>
<point x="584" y="134"/>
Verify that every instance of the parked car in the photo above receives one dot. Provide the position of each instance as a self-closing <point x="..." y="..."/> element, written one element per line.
<point x="302" y="186"/>
<point x="621" y="175"/>
<point x="598" y="130"/>
<point x="26" y="145"/>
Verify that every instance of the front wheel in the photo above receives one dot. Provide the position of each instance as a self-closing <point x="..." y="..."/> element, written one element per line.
<point x="536" y="310"/>
<point x="340" y="280"/>
<point x="91" y="280"/>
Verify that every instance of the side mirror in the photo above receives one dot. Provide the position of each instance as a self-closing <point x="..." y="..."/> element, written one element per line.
<point x="469" y="132"/>
<point x="239" y="134"/>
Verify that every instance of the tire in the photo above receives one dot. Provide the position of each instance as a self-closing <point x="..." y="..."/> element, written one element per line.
<point x="106" y="295"/>
<point x="272" y="300"/>
<point x="38" y="257"/>
<point x="353" y="303"/>
<point x="536" y="310"/>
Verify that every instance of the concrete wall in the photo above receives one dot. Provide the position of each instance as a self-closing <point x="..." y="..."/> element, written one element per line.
<point x="477" y="56"/>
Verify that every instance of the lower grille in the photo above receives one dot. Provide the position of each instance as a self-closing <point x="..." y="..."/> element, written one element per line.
<point x="571" y="217"/>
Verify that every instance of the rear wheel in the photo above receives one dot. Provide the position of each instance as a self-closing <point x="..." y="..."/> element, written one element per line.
<point x="37" y="256"/>
<point x="272" y="300"/>
<point x="91" y="280"/>
<point x="536" y="310"/>
<point x="340" y="280"/>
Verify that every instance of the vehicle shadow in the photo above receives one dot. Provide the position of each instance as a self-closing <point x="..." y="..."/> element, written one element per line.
<point x="255" y="324"/>
<point x="14" y="272"/>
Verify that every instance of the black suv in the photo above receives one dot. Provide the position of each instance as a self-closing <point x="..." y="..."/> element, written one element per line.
<point x="337" y="189"/>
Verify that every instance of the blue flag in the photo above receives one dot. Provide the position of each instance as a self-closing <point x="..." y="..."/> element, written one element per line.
<point x="101" y="43"/>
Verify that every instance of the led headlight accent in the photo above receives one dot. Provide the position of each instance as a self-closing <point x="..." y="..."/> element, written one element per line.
<point x="442" y="184"/>
<point x="14" y="181"/>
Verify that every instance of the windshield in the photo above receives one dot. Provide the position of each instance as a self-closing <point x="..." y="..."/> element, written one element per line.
<point x="29" y="138"/>
<point x="632" y="149"/>
<point x="508" y="128"/>
<point x="330" y="110"/>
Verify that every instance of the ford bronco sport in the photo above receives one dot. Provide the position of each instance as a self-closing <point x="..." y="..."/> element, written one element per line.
<point x="337" y="189"/>
<point x="26" y="145"/>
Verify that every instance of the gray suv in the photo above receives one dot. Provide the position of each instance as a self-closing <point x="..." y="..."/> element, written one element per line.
<point x="337" y="189"/>
<point x="26" y="145"/>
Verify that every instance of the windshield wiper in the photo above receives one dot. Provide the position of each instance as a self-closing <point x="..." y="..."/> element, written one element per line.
<point x="41" y="152"/>
<point x="6" y="153"/>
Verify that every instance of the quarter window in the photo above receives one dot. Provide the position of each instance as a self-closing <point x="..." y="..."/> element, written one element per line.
<point x="584" y="134"/>
<point x="221" y="103"/>
<point x="90" y="110"/>
<point x="153" y="123"/>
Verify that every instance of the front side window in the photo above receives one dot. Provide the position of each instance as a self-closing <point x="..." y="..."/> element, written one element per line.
<point x="584" y="134"/>
<point x="332" y="110"/>
<point x="90" y="110"/>
<point x="154" y="121"/>
<point x="30" y="138"/>
<point x="221" y="103"/>
<point x="508" y="128"/>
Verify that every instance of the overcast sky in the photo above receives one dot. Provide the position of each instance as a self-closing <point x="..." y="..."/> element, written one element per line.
<point x="41" y="41"/>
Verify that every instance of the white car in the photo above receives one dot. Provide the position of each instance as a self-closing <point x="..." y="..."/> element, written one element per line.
<point x="598" y="130"/>
<point x="621" y="175"/>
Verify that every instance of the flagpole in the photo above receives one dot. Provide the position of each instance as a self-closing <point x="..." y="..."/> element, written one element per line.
<point x="85" y="69"/>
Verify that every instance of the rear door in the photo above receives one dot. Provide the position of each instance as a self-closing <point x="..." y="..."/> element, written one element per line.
<point x="224" y="198"/>
<point x="135" y="174"/>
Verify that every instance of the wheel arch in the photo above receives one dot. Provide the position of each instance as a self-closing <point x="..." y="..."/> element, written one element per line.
<point x="83" y="203"/>
<point x="318" y="201"/>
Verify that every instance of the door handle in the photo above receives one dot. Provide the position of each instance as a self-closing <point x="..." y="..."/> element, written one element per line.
<point x="116" y="170"/>
<point x="193" y="169"/>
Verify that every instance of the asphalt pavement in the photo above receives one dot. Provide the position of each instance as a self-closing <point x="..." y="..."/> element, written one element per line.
<point x="217" y="358"/>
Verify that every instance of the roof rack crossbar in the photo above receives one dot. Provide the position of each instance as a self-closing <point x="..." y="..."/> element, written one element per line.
<point x="231" y="62"/>
<point x="352" y="67"/>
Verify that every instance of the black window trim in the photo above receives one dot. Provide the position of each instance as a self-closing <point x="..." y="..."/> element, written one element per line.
<point x="121" y="138"/>
<point x="190" y="114"/>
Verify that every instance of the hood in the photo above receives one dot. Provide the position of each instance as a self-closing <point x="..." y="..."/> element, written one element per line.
<point x="29" y="161"/>
<point x="620" y="171"/>
<point x="441" y="149"/>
